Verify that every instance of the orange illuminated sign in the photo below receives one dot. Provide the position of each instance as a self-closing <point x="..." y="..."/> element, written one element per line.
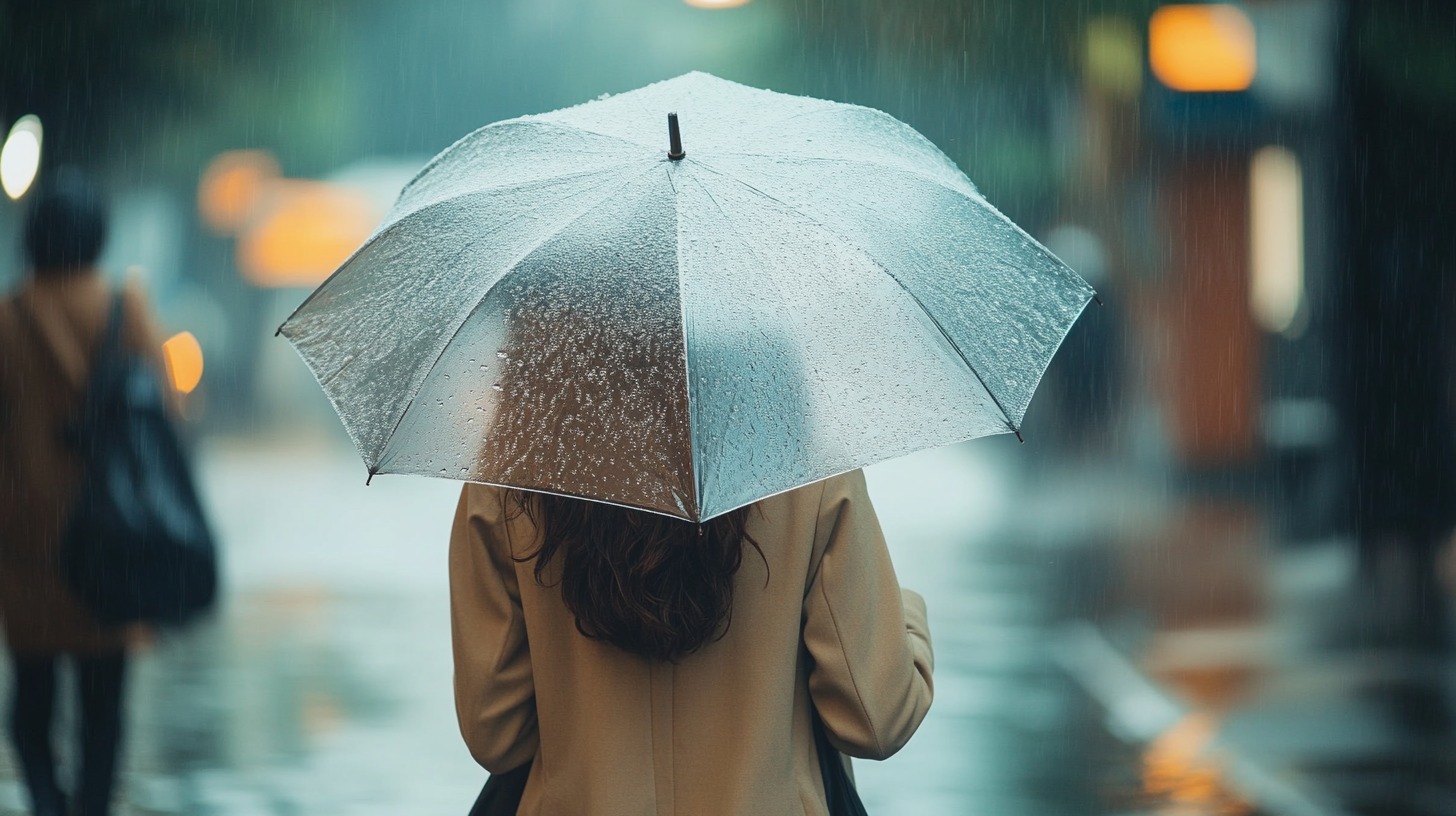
<point x="303" y="231"/>
<point x="1202" y="48"/>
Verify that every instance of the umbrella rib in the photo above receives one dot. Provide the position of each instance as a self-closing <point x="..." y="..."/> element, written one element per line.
<point x="682" y="305"/>
<point x="918" y="302"/>
<point x="486" y="294"/>
<point x="324" y="380"/>
<point x="389" y="228"/>
<point x="975" y="195"/>
<point x="843" y="108"/>
<point x="582" y="129"/>
<point x="520" y="120"/>
<point x="952" y="343"/>
<point x="821" y="106"/>
<point x="748" y="245"/>
<point x="513" y="186"/>
<point x="864" y="162"/>
<point x="727" y="219"/>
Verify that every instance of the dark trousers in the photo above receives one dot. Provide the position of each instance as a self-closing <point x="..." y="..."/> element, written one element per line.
<point x="99" y="681"/>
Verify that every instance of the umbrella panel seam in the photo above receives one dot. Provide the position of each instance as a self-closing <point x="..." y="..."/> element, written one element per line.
<point x="778" y="302"/>
<point x="881" y="165"/>
<point x="878" y="265"/>
<point x="388" y="228"/>
<point x="682" y="304"/>
<point x="505" y="273"/>
<point x="474" y="134"/>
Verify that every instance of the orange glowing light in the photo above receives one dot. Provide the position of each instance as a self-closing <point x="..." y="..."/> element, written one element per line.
<point x="1182" y="766"/>
<point x="184" y="361"/>
<point x="304" y="230"/>
<point x="232" y="186"/>
<point x="1202" y="48"/>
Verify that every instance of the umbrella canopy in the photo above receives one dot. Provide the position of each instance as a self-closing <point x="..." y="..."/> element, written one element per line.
<point x="570" y="303"/>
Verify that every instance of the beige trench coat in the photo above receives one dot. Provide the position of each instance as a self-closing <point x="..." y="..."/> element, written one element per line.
<point x="41" y="382"/>
<point x="726" y="730"/>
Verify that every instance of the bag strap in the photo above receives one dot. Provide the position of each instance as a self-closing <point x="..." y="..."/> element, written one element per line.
<point x="27" y="319"/>
<point x="840" y="793"/>
<point x="107" y="350"/>
<point x="113" y="323"/>
<point x="103" y="360"/>
<point x="25" y="316"/>
<point x="109" y="341"/>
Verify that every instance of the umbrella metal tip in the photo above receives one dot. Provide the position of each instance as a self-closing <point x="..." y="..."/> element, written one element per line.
<point x="674" y="139"/>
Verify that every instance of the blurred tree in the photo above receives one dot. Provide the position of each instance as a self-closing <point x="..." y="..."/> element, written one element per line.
<point x="980" y="79"/>
<point x="1399" y="292"/>
<point x="122" y="82"/>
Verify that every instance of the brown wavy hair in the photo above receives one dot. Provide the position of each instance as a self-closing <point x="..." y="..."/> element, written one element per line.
<point x="651" y="585"/>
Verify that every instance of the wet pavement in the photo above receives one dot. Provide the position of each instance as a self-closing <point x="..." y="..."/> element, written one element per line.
<point x="323" y="683"/>
<point x="1264" y="668"/>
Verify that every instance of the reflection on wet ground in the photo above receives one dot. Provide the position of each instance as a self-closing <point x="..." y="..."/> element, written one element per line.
<point x="323" y="684"/>
<point x="1254" y="657"/>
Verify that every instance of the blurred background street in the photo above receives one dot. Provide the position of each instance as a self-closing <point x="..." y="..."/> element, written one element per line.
<point x="1216" y="579"/>
<point x="323" y="684"/>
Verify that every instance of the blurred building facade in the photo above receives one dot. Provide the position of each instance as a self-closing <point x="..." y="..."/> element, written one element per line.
<point x="1257" y="188"/>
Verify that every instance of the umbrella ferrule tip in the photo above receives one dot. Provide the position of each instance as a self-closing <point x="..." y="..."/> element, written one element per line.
<point x="674" y="139"/>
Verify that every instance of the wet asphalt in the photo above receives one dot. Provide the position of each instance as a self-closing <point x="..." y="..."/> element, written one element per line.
<point x="322" y="684"/>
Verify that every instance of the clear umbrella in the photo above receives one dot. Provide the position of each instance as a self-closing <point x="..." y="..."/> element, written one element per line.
<point x="572" y="303"/>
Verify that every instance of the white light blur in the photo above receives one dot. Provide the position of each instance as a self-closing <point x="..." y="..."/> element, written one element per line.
<point x="20" y="157"/>
<point x="716" y="4"/>
<point x="1276" y="238"/>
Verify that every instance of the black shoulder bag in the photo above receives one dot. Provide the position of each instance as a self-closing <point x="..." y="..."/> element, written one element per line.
<point x="839" y="790"/>
<point x="137" y="547"/>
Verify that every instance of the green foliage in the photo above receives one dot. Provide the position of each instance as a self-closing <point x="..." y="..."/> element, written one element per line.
<point x="1410" y="52"/>
<point x="977" y="77"/>
<point x="122" y="82"/>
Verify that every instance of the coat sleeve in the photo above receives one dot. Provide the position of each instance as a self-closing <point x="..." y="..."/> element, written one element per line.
<point x="868" y="640"/>
<point x="495" y="693"/>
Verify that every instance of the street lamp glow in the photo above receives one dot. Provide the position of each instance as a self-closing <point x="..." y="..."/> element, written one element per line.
<point x="302" y="231"/>
<point x="1276" y="238"/>
<point x="184" y="361"/>
<point x="20" y="157"/>
<point x="1202" y="48"/>
<point x="716" y="4"/>
<point x="232" y="186"/>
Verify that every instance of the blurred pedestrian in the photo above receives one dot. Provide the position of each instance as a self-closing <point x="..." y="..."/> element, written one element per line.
<point x="49" y="332"/>
<point x="637" y="663"/>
